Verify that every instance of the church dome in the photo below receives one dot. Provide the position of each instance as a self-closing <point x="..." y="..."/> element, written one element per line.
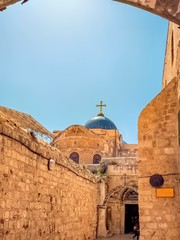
<point x="100" y="121"/>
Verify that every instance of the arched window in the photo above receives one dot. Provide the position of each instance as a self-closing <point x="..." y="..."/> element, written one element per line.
<point x="74" y="156"/>
<point x="96" y="159"/>
<point x="130" y="194"/>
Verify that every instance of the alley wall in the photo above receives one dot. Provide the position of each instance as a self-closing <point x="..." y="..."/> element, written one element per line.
<point x="158" y="154"/>
<point x="39" y="203"/>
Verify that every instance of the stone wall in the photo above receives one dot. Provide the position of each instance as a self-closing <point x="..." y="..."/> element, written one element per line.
<point x="83" y="141"/>
<point x="38" y="203"/>
<point x="172" y="57"/>
<point x="128" y="150"/>
<point x="158" y="154"/>
<point x="87" y="142"/>
<point x="122" y="177"/>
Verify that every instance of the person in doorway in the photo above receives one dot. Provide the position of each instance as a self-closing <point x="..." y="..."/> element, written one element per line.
<point x="136" y="231"/>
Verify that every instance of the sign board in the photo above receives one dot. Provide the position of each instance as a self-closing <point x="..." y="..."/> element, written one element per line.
<point x="165" y="192"/>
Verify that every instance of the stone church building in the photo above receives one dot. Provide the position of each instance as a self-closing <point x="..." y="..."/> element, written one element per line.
<point x="99" y="144"/>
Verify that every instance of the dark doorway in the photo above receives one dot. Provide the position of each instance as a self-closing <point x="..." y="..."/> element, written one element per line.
<point x="131" y="216"/>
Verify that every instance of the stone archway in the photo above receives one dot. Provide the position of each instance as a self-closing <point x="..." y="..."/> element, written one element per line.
<point x="5" y="3"/>
<point x="169" y="9"/>
<point x="121" y="189"/>
<point x="108" y="210"/>
<point x="122" y="209"/>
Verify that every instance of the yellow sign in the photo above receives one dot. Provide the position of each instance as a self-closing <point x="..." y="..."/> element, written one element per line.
<point x="165" y="192"/>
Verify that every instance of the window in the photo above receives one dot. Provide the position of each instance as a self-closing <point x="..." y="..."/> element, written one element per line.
<point x="74" y="156"/>
<point x="96" y="159"/>
<point x="130" y="194"/>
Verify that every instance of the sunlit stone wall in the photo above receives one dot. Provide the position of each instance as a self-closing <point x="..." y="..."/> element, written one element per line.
<point x="38" y="200"/>
<point x="158" y="154"/>
<point x="172" y="56"/>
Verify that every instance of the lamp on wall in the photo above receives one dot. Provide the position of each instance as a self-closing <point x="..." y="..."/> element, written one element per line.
<point x="51" y="164"/>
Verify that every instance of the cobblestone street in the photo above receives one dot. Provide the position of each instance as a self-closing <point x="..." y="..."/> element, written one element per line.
<point x="118" y="237"/>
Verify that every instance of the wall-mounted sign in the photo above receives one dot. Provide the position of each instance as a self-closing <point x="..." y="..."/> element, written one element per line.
<point x="51" y="164"/>
<point x="165" y="192"/>
<point x="156" y="180"/>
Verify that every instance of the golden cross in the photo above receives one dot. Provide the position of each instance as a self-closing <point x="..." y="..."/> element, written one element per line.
<point x="101" y="105"/>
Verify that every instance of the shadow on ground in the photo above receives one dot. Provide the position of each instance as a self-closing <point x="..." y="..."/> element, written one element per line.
<point x="118" y="237"/>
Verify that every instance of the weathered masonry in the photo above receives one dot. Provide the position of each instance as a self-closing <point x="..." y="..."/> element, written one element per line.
<point x="5" y="3"/>
<point x="159" y="152"/>
<point x="159" y="216"/>
<point x="169" y="9"/>
<point x="43" y="195"/>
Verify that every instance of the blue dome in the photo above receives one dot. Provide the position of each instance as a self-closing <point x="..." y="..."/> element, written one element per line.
<point x="100" y="122"/>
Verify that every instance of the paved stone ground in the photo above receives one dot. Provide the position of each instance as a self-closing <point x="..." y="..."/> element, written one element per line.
<point x="118" y="237"/>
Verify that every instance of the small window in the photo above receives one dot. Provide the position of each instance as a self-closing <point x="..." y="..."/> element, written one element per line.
<point x="74" y="156"/>
<point x="96" y="159"/>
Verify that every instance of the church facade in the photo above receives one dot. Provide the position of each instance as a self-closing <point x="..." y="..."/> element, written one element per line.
<point x="100" y="148"/>
<point x="88" y="144"/>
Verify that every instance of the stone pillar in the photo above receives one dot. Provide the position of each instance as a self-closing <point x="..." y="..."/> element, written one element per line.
<point x="101" y="231"/>
<point x="122" y="214"/>
<point x="102" y="191"/>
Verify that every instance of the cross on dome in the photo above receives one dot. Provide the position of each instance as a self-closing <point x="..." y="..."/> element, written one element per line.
<point x="100" y="121"/>
<point x="101" y="105"/>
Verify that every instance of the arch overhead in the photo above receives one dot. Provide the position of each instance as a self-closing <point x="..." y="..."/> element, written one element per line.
<point x="6" y="3"/>
<point x="169" y="9"/>
<point x="120" y="189"/>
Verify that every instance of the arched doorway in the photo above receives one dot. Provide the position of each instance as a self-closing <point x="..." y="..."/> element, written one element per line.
<point x="121" y="209"/>
<point x="130" y="201"/>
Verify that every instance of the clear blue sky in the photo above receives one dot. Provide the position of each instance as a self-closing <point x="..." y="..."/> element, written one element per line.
<point x="60" y="58"/>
